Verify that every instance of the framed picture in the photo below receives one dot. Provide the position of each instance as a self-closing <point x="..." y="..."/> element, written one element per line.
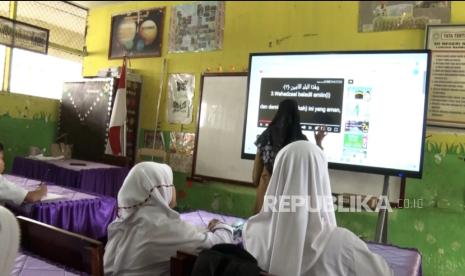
<point x="137" y="34"/>
<point x="21" y="35"/>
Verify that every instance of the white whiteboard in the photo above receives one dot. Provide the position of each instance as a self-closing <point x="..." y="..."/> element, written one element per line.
<point x="219" y="141"/>
<point x="220" y="127"/>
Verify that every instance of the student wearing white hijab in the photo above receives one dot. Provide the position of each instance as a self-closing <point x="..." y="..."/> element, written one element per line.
<point x="9" y="241"/>
<point x="305" y="240"/>
<point x="148" y="232"/>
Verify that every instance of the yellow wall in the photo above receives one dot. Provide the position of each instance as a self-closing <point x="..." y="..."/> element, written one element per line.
<point x="249" y="27"/>
<point x="27" y="107"/>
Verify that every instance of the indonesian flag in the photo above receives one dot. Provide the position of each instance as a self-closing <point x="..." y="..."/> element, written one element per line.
<point x="117" y="131"/>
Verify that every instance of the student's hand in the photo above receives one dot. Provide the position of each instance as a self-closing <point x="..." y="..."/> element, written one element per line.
<point x="42" y="190"/>
<point x="2" y="166"/>
<point x="319" y="136"/>
<point x="37" y="194"/>
<point x="212" y="224"/>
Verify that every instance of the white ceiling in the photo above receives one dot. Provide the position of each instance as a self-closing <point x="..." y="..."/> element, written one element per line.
<point x="93" y="4"/>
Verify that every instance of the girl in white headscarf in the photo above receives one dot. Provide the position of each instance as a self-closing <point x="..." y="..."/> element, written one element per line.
<point x="303" y="238"/>
<point x="148" y="232"/>
<point x="9" y="240"/>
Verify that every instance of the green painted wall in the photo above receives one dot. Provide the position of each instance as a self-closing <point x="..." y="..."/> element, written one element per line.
<point x="26" y="121"/>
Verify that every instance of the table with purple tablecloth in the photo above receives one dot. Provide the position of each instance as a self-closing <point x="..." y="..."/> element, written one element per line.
<point x="79" y="212"/>
<point x="85" y="175"/>
<point x="403" y="261"/>
<point x="202" y="218"/>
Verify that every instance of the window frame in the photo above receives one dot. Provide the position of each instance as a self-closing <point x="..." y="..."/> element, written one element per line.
<point x="5" y="87"/>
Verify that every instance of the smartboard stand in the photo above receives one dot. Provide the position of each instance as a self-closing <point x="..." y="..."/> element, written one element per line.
<point x="382" y="225"/>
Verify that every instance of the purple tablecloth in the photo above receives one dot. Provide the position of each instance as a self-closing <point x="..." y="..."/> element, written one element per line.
<point x="78" y="212"/>
<point x="29" y="265"/>
<point x="202" y="218"/>
<point x="403" y="261"/>
<point x="92" y="177"/>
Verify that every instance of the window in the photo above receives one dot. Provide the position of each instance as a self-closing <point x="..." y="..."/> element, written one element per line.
<point x="67" y="25"/>
<point x="41" y="75"/>
<point x="2" y="65"/>
<point x="4" y="11"/>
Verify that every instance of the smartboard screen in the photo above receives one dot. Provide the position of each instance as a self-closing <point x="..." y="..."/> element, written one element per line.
<point x="372" y="105"/>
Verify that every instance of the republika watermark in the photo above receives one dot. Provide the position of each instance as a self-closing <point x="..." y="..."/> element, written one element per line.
<point x="341" y="203"/>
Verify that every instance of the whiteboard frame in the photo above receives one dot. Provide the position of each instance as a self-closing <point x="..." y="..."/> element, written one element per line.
<point x="200" y="177"/>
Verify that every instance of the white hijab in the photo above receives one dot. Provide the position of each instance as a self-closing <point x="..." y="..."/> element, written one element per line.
<point x="9" y="240"/>
<point x="148" y="232"/>
<point x="289" y="243"/>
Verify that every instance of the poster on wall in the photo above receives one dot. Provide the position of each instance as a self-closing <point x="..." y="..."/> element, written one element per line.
<point x="182" y="143"/>
<point x="137" y="34"/>
<point x="446" y="106"/>
<point x="197" y="27"/>
<point x="159" y="140"/>
<point x="181" y="151"/>
<point x="180" y="98"/>
<point x="378" y="16"/>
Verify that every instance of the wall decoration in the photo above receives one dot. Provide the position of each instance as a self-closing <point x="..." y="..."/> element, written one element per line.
<point x="180" y="98"/>
<point x="197" y="27"/>
<point x="85" y="109"/>
<point x="447" y="79"/>
<point x="377" y="16"/>
<point x="133" y="96"/>
<point x="137" y="34"/>
<point x="159" y="141"/>
<point x="182" y="143"/>
<point x="181" y="151"/>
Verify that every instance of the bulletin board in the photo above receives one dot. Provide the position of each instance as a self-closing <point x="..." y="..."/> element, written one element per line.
<point x="220" y="124"/>
<point x="84" y="114"/>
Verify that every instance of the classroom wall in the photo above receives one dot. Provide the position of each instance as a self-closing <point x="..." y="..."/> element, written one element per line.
<point x="255" y="26"/>
<point x="26" y="121"/>
<point x="435" y="229"/>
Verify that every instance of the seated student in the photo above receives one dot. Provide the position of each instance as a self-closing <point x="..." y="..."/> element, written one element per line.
<point x="147" y="231"/>
<point x="9" y="240"/>
<point x="9" y="192"/>
<point x="305" y="240"/>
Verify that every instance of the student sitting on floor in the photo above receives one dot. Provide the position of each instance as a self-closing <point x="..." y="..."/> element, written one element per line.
<point x="304" y="239"/>
<point x="11" y="193"/>
<point x="147" y="231"/>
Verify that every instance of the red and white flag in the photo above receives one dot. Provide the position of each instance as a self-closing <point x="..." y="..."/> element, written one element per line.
<point x="117" y="131"/>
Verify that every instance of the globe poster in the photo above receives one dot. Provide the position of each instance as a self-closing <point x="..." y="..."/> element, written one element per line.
<point x="137" y="34"/>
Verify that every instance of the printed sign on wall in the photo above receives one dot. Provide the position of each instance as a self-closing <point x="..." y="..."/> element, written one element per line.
<point x="17" y="34"/>
<point x="180" y="96"/>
